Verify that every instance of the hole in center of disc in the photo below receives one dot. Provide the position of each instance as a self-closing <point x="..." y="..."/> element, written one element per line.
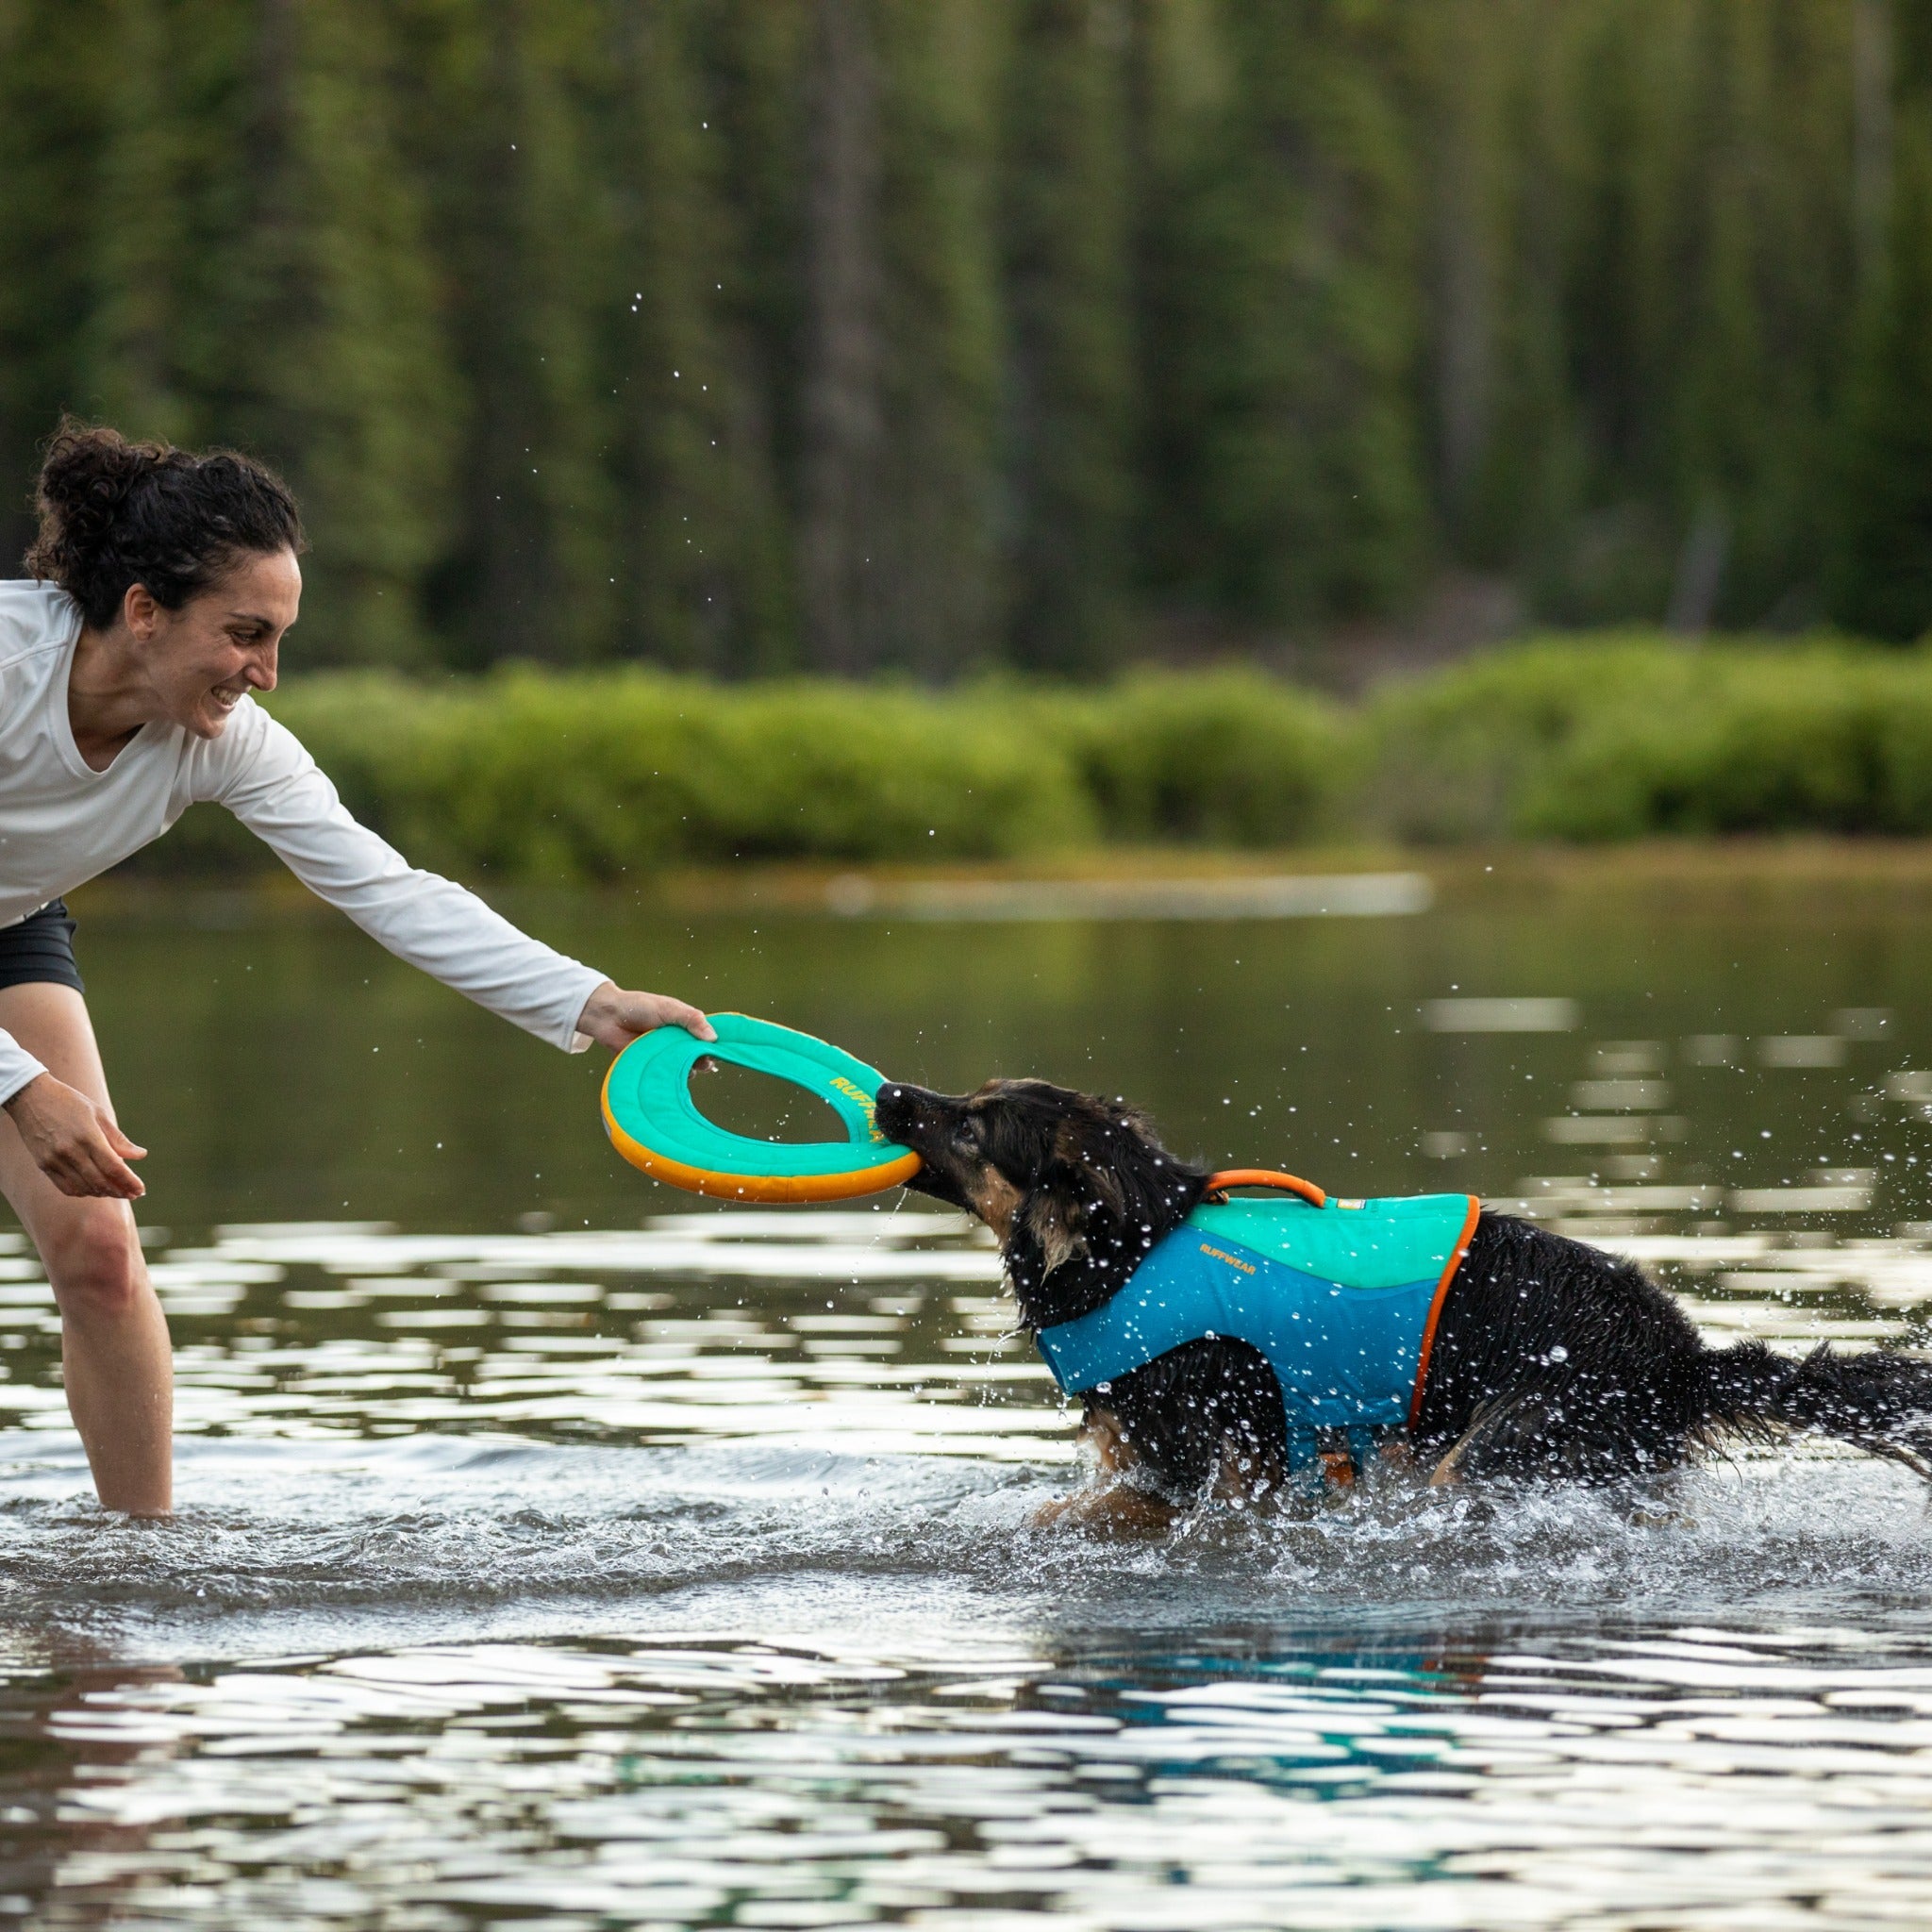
<point x="761" y="1108"/>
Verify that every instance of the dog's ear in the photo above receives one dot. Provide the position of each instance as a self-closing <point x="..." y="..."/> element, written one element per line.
<point x="1082" y="1186"/>
<point x="1088" y="1157"/>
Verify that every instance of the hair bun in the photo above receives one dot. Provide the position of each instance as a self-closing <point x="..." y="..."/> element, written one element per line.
<point x="101" y="530"/>
<point x="87" y="476"/>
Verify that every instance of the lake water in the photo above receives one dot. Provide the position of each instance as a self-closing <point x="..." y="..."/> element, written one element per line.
<point x="557" y="1552"/>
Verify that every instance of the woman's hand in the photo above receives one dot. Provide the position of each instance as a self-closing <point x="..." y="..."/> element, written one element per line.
<point x="74" y="1142"/>
<point x="616" y="1018"/>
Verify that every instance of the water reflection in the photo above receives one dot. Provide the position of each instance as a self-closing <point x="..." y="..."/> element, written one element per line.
<point x="1675" y="1776"/>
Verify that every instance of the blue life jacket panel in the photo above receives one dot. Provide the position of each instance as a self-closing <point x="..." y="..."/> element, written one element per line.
<point x="1340" y="1299"/>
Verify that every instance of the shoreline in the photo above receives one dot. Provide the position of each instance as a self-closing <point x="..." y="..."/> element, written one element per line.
<point x="1700" y="874"/>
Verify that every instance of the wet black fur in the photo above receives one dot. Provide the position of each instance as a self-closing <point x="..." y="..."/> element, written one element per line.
<point x="1552" y="1359"/>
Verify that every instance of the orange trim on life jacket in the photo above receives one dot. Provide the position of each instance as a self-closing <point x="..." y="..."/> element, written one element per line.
<point x="1462" y="1248"/>
<point x="1219" y="1184"/>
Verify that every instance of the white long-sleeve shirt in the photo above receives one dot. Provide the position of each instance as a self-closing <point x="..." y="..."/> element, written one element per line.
<point x="63" y="822"/>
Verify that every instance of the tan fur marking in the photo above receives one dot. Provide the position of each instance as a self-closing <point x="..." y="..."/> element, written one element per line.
<point x="1447" y="1473"/>
<point x="995" y="1200"/>
<point x="1058" y="1241"/>
<point x="1241" y="1479"/>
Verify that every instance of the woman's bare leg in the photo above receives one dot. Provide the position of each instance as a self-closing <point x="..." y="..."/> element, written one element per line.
<point x="113" y="1336"/>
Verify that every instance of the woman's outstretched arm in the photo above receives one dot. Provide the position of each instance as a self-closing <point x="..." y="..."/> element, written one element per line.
<point x="260" y="771"/>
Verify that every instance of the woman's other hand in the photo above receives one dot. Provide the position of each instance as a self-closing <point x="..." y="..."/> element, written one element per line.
<point x="615" y="1018"/>
<point x="76" y="1143"/>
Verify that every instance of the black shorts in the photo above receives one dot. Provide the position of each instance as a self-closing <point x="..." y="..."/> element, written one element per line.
<point x="39" y="950"/>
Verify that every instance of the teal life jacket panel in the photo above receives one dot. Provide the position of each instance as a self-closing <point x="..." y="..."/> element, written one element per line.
<point x="1340" y="1299"/>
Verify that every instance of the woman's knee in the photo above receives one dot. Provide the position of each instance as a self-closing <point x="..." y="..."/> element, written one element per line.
<point x="93" y="1262"/>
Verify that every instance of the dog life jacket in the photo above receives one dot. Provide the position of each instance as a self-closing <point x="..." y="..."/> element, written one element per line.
<point x="1342" y="1298"/>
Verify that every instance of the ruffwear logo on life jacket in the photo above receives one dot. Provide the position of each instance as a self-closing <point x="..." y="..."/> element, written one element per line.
<point x="1232" y="1260"/>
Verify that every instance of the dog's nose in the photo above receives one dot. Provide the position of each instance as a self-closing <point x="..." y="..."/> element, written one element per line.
<point x="895" y="1106"/>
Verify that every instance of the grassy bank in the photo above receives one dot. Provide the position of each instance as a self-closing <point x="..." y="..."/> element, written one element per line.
<point x="545" y="778"/>
<point x="1633" y="737"/>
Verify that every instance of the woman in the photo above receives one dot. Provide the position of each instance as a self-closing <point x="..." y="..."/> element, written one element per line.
<point x="161" y="585"/>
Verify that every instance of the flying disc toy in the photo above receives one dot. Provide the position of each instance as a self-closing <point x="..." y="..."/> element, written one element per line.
<point x="655" y="1125"/>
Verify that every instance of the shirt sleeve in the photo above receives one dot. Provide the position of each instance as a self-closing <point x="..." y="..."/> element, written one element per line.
<point x="17" y="1067"/>
<point x="269" y="782"/>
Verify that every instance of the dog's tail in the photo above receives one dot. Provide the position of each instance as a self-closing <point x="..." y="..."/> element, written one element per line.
<point x="1879" y="1401"/>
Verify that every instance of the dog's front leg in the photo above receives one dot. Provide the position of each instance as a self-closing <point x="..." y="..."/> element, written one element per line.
<point x="1119" y="1509"/>
<point x="1111" y="1504"/>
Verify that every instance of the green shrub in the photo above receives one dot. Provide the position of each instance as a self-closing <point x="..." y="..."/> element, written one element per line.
<point x="1632" y="737"/>
<point x="1471" y="752"/>
<point x="533" y="776"/>
<point x="1768" y="744"/>
<point x="548" y="777"/>
<point x="1223" y="758"/>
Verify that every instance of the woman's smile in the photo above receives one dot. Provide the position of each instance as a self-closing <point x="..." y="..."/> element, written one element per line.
<point x="208" y="713"/>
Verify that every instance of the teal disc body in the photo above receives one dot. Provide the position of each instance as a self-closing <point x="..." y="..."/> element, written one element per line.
<point x="655" y="1123"/>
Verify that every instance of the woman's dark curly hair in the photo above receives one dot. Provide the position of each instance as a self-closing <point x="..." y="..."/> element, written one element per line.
<point x="115" y="513"/>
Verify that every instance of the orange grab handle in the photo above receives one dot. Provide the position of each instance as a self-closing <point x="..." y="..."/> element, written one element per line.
<point x="1219" y="1184"/>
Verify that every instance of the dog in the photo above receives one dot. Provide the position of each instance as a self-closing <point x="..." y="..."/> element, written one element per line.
<point x="1550" y="1359"/>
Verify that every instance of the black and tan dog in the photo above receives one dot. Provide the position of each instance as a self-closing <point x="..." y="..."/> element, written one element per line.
<point x="1550" y="1358"/>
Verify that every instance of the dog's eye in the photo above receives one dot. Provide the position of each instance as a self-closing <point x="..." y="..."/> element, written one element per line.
<point x="967" y="1134"/>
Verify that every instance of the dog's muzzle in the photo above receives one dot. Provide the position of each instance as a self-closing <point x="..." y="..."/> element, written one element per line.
<point x="899" y="1110"/>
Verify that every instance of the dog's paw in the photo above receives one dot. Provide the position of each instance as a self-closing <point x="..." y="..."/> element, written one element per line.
<point x="1113" y="1509"/>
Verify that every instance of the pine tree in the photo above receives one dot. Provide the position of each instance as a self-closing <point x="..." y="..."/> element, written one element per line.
<point x="897" y="387"/>
<point x="350" y="384"/>
<point x="56" y="74"/>
<point x="260" y="276"/>
<point x="1458" y="59"/>
<point x="1070" y="432"/>
<point x="1770" y="268"/>
<point x="1882" y="576"/>
<point x="963" y="328"/>
<point x="700" y="558"/>
<point x="934" y="593"/>
<point x="1666" y="222"/>
<point x="1176" y="90"/>
<point x="840" y="399"/>
<point x="1305" y="336"/>
<point x="141" y="227"/>
<point x="522" y="223"/>
<point x="759" y="59"/>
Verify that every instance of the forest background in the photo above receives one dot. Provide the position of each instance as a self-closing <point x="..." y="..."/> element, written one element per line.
<point x="957" y="338"/>
<point x="761" y="335"/>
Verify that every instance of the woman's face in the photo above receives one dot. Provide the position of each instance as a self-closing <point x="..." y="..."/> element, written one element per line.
<point x="199" y="661"/>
